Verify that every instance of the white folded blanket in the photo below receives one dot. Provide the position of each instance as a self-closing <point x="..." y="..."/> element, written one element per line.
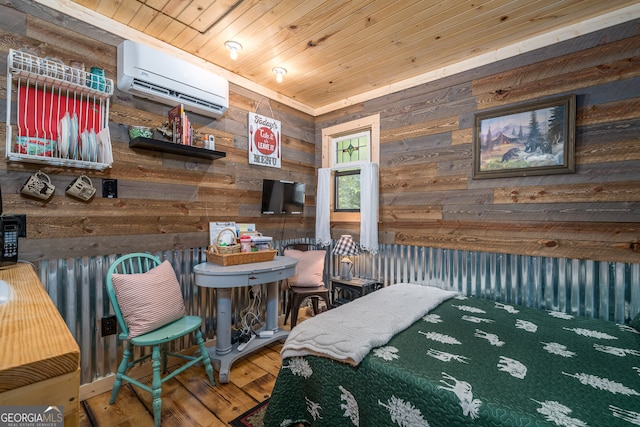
<point x="347" y="333"/>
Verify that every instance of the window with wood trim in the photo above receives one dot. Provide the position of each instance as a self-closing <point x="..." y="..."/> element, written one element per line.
<point x="344" y="148"/>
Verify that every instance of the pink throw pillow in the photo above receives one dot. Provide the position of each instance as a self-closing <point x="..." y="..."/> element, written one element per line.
<point x="149" y="300"/>
<point x="309" y="268"/>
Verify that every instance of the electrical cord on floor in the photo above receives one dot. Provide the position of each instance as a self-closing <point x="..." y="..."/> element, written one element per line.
<point x="250" y="316"/>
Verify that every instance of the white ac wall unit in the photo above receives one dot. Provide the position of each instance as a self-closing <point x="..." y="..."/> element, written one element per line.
<point x="152" y="74"/>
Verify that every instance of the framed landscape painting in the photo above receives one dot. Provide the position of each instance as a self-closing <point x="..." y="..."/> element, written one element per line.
<point x="536" y="138"/>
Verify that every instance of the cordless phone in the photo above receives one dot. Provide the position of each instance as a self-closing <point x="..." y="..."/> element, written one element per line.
<point x="9" y="230"/>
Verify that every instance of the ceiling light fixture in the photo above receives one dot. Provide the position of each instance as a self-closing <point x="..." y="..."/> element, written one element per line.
<point x="279" y="72"/>
<point x="234" y="48"/>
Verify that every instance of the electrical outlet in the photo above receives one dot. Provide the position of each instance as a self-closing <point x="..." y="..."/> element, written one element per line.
<point x="109" y="326"/>
<point x="110" y="188"/>
<point x="254" y="291"/>
<point x="235" y="336"/>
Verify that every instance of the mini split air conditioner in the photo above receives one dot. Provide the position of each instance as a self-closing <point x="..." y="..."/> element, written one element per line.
<point x="152" y="74"/>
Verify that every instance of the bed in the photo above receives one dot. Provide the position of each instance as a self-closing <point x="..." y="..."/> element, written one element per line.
<point x="412" y="355"/>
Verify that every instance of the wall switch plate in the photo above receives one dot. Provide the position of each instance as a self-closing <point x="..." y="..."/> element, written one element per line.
<point x="109" y="326"/>
<point x="110" y="188"/>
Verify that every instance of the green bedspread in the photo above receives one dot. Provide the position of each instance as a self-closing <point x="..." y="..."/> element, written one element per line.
<point x="473" y="362"/>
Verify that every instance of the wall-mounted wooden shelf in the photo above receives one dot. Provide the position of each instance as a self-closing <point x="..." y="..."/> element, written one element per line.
<point x="169" y="147"/>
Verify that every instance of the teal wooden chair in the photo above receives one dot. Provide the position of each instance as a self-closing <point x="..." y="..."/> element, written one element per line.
<point x="158" y="338"/>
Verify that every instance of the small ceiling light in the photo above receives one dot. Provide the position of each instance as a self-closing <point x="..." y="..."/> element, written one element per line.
<point x="234" y="48"/>
<point x="279" y="72"/>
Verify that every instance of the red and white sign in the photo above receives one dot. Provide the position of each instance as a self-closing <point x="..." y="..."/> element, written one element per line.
<point x="264" y="141"/>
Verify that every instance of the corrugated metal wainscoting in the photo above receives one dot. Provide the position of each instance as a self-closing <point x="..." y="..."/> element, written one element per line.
<point x="604" y="290"/>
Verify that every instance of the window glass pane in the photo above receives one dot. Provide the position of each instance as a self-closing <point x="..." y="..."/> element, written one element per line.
<point x="347" y="191"/>
<point x="348" y="151"/>
<point x="351" y="148"/>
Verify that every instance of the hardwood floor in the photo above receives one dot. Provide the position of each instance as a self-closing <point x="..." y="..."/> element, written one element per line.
<point x="189" y="399"/>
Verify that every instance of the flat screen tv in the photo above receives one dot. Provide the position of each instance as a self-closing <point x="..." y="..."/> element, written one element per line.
<point x="282" y="197"/>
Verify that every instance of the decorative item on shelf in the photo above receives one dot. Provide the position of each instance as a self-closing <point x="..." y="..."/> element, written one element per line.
<point x="239" y="258"/>
<point x="346" y="247"/>
<point x="27" y="60"/>
<point x="97" y="79"/>
<point x="140" y="131"/>
<point x="81" y="188"/>
<point x="197" y="139"/>
<point x="221" y="247"/>
<point x="245" y="243"/>
<point x="105" y="153"/>
<point x="215" y="230"/>
<point x="165" y="130"/>
<point x="262" y="243"/>
<point x="225" y="250"/>
<point x="39" y="186"/>
<point x="89" y="146"/>
<point x="179" y="125"/>
<point x="54" y="67"/>
<point x="243" y="229"/>
<point x="78" y="74"/>
<point x="209" y="142"/>
<point x="35" y="146"/>
<point x="68" y="136"/>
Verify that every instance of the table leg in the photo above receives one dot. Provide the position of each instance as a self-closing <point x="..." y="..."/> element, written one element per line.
<point x="225" y="367"/>
<point x="223" y="328"/>
<point x="226" y="353"/>
<point x="272" y="307"/>
<point x="224" y="362"/>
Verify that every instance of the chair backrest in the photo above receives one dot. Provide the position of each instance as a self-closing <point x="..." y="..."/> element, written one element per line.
<point x="128" y="264"/>
<point x="300" y="247"/>
<point x="308" y="247"/>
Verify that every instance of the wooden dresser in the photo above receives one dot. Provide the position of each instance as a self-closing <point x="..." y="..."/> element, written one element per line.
<point x="40" y="359"/>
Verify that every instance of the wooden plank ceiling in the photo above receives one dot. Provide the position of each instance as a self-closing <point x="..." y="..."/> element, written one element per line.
<point x="336" y="50"/>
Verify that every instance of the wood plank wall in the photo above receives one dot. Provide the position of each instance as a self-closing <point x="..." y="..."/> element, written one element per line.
<point x="164" y="201"/>
<point x="428" y="196"/>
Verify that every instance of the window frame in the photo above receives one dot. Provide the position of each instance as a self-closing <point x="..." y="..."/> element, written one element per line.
<point x="355" y="135"/>
<point x="370" y="124"/>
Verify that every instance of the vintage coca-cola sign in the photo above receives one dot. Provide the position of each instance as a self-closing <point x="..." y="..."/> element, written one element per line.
<point x="264" y="141"/>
